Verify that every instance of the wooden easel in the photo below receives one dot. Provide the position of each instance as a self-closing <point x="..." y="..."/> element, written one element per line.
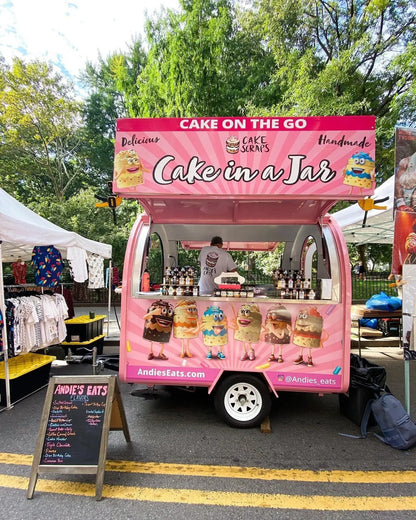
<point x="81" y="409"/>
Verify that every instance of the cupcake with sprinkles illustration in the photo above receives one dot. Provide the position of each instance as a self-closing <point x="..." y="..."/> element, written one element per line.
<point x="360" y="171"/>
<point x="215" y="331"/>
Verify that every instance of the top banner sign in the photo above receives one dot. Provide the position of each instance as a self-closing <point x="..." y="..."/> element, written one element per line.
<point x="272" y="157"/>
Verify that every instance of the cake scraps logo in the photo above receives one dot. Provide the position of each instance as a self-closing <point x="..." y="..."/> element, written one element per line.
<point x="256" y="143"/>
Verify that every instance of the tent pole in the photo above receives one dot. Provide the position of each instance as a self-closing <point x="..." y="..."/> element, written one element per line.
<point x="5" y="346"/>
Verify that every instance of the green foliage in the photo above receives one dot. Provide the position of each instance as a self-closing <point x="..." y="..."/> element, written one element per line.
<point x="376" y="256"/>
<point x="39" y="120"/>
<point x="335" y="58"/>
<point x="109" y="83"/>
<point x="208" y="58"/>
<point x="80" y="215"/>
<point x="200" y="63"/>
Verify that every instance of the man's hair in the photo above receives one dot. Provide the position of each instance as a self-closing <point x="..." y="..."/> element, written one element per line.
<point x="216" y="241"/>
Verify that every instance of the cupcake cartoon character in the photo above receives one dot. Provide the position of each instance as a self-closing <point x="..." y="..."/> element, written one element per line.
<point x="185" y="324"/>
<point x="308" y="333"/>
<point x="215" y="331"/>
<point x="277" y="330"/>
<point x="247" y="329"/>
<point x="128" y="169"/>
<point x="360" y="171"/>
<point x="158" y="326"/>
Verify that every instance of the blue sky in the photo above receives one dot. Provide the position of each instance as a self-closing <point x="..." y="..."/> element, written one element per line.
<point x="68" y="33"/>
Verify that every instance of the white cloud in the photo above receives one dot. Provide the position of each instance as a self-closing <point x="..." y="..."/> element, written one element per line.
<point x="68" y="33"/>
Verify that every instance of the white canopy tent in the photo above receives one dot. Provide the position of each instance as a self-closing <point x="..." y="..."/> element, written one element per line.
<point x="379" y="225"/>
<point x="20" y="230"/>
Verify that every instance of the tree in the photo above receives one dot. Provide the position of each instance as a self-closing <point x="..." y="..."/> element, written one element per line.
<point x="39" y="119"/>
<point x="109" y="84"/>
<point x="199" y="63"/>
<point x="344" y="57"/>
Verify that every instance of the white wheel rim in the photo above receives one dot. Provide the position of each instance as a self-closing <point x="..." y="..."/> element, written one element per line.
<point x="243" y="402"/>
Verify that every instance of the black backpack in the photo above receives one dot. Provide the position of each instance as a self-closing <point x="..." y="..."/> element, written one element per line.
<point x="398" y="429"/>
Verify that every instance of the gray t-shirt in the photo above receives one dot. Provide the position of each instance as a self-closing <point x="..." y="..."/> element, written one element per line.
<point x="213" y="261"/>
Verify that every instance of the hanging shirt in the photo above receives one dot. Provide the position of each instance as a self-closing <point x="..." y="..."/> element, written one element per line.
<point x="47" y="261"/>
<point x="95" y="271"/>
<point x="19" y="272"/>
<point x="115" y="277"/>
<point x="77" y="259"/>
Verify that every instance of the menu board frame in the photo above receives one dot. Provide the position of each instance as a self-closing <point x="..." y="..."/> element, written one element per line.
<point x="78" y="410"/>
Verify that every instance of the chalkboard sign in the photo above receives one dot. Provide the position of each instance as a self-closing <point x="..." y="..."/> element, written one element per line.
<point x="78" y="413"/>
<point x="75" y="424"/>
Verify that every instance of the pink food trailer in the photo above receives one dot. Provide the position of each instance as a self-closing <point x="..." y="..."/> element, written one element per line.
<point x="259" y="183"/>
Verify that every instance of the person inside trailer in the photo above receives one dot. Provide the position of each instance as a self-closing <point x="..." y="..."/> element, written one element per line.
<point x="213" y="261"/>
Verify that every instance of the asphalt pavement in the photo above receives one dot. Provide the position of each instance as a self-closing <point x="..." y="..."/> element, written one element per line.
<point x="184" y="462"/>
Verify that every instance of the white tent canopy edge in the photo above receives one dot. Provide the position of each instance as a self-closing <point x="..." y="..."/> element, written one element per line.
<point x="379" y="227"/>
<point x="21" y="229"/>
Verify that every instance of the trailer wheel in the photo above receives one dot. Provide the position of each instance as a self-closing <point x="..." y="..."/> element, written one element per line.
<point x="242" y="400"/>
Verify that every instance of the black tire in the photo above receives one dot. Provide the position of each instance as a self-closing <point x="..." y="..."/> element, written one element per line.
<point x="242" y="400"/>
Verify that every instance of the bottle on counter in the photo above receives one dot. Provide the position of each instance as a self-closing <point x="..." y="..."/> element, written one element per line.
<point x="146" y="281"/>
<point x="311" y="295"/>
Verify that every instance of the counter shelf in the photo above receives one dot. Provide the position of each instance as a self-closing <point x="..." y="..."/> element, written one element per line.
<point x="256" y="299"/>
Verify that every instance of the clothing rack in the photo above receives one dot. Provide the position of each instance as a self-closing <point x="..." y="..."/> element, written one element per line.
<point x="18" y="290"/>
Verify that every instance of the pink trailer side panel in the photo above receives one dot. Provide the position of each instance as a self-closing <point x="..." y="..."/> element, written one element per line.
<point x="314" y="332"/>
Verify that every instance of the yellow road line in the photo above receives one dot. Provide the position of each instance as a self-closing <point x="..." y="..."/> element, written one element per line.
<point x="218" y="498"/>
<point x="252" y="473"/>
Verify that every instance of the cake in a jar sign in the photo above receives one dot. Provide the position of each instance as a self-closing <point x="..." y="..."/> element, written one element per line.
<point x="198" y="170"/>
